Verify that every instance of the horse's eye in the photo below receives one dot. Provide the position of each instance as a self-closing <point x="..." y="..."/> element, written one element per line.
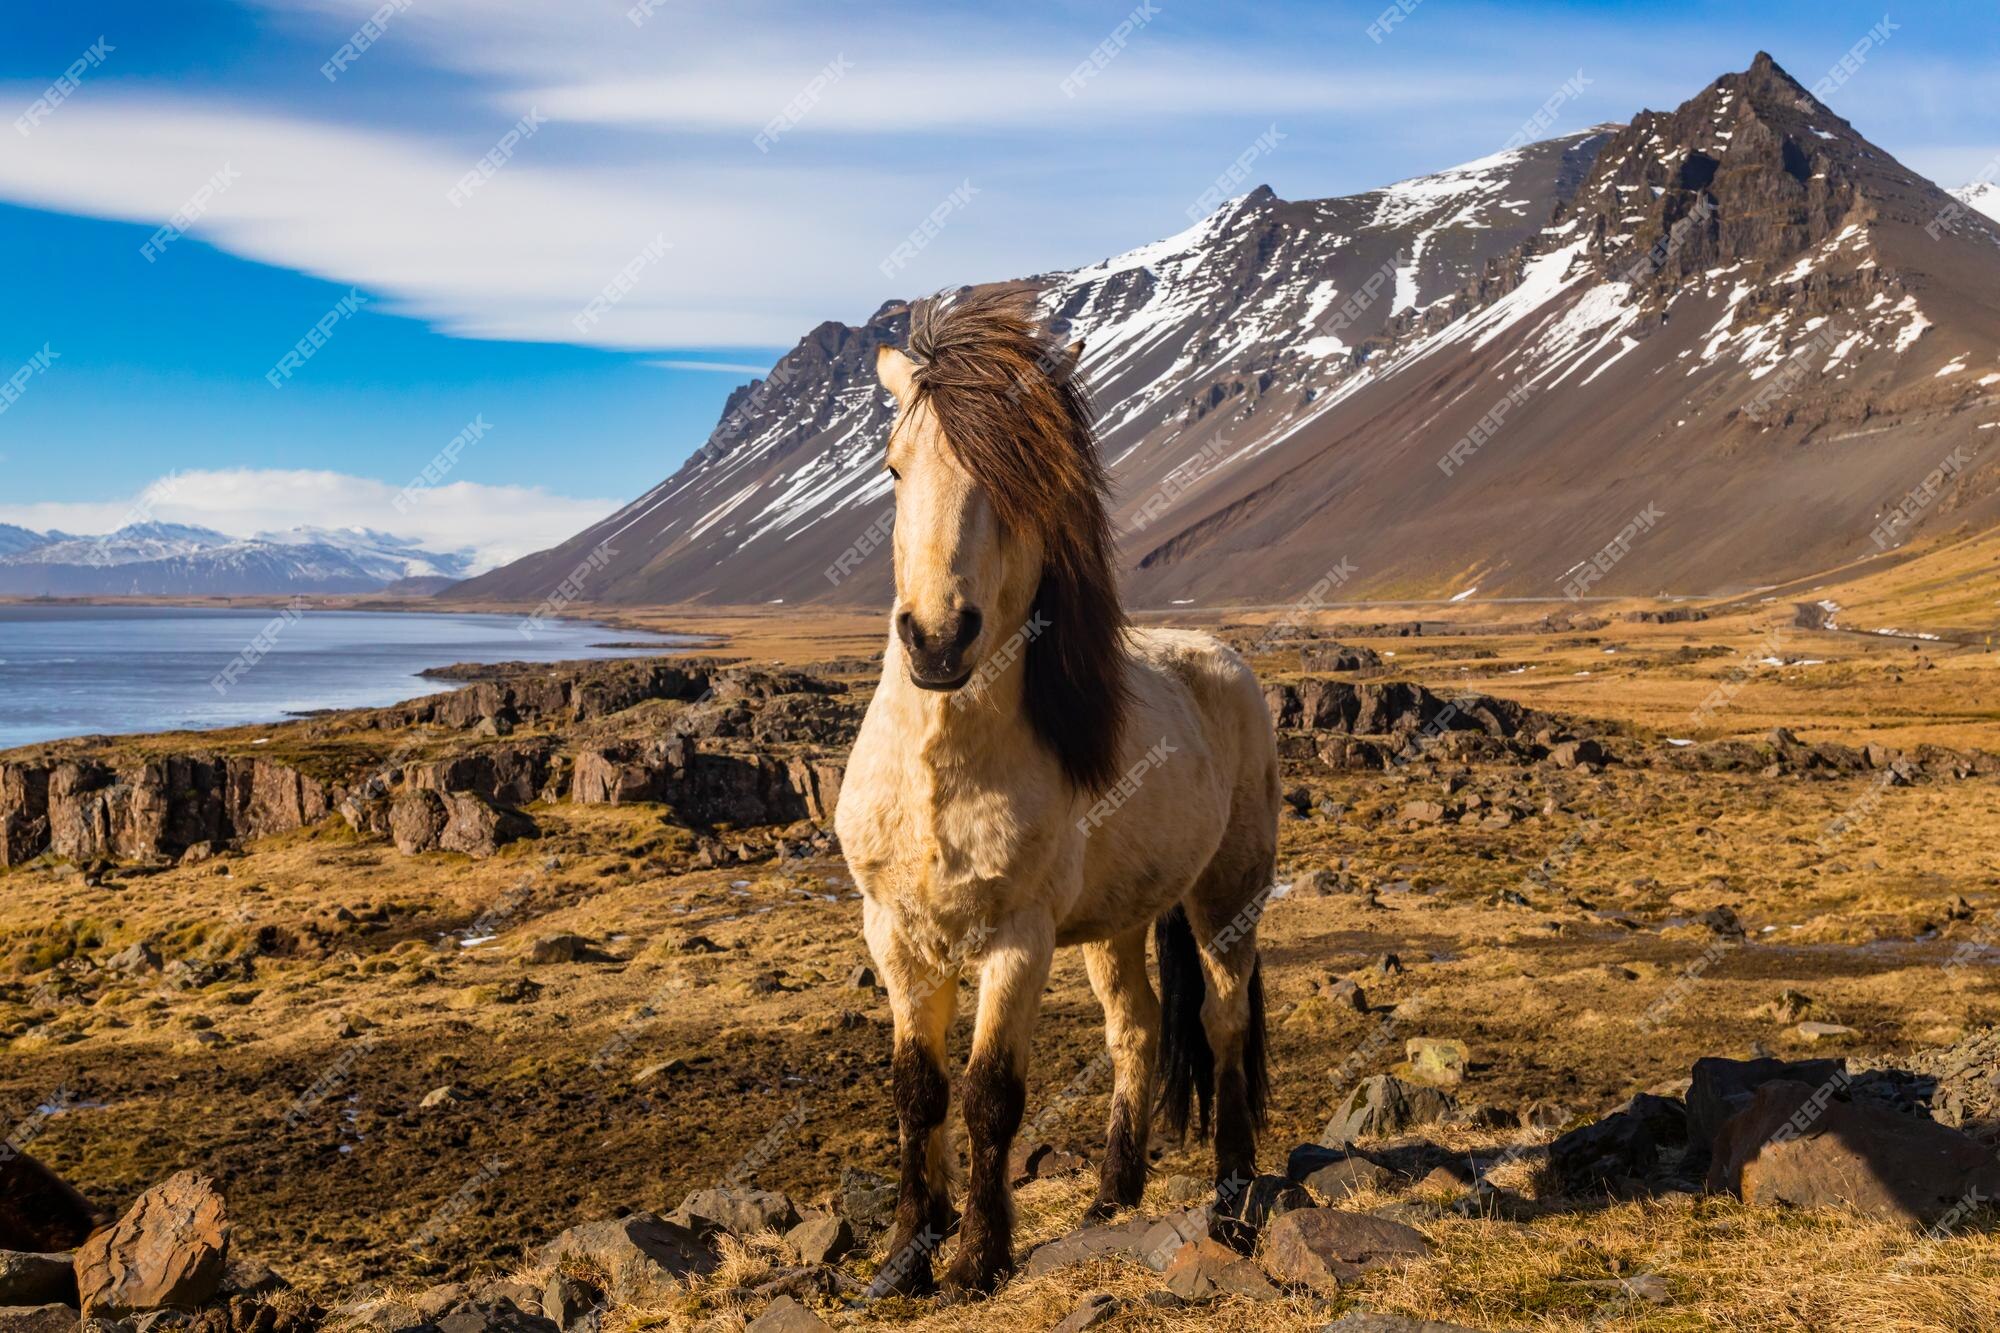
<point x="895" y="475"/>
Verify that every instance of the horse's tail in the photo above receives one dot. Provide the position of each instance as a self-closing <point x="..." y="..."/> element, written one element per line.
<point x="1187" y="1064"/>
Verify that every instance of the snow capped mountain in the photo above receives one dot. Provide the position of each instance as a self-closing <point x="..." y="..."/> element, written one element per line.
<point x="1731" y="340"/>
<point x="166" y="559"/>
<point x="1982" y="195"/>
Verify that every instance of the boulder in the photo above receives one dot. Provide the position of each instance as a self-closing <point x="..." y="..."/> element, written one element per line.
<point x="564" y="948"/>
<point x="1438" y="1061"/>
<point x="1720" y="1088"/>
<point x="1271" y="1197"/>
<point x="738" y="1211"/>
<point x="1385" y="1104"/>
<point x="479" y="828"/>
<point x="416" y="820"/>
<point x="567" y="1302"/>
<point x="1350" y="1175"/>
<point x="167" y="1252"/>
<point x="641" y="1255"/>
<point x="1795" y="1144"/>
<point x="37" y="1279"/>
<point x="1123" y="1239"/>
<point x="1096" y="1307"/>
<point x="786" y="1315"/>
<point x="1965" y="1081"/>
<point x="1623" y="1146"/>
<point x="822" y="1238"/>
<point x="39" y="1212"/>
<point x="1203" y="1270"/>
<point x="1324" y="1247"/>
<point x="494" y="1316"/>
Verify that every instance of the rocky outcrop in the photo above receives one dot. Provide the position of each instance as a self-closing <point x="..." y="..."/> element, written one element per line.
<point x="424" y="820"/>
<point x="735" y="786"/>
<point x="168" y="1251"/>
<point x="86" y="809"/>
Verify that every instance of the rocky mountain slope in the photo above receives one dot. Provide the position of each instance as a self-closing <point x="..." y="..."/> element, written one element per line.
<point x="1719" y="347"/>
<point x="155" y="559"/>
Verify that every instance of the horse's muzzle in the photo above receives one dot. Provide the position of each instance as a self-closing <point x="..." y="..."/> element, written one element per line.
<point x="937" y="658"/>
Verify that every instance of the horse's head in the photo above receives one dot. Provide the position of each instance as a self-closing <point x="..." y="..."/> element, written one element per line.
<point x="1002" y="543"/>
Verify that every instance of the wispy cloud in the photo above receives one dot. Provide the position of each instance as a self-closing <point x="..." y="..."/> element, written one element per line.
<point x="719" y="367"/>
<point x="496" y="523"/>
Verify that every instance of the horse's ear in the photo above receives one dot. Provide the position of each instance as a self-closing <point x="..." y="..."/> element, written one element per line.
<point x="1066" y="366"/>
<point x="897" y="373"/>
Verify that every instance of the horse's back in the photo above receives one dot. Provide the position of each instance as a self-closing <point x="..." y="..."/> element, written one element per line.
<point x="1225" y="697"/>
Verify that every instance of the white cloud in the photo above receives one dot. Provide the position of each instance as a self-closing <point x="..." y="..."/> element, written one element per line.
<point x="496" y="523"/>
<point x="719" y="367"/>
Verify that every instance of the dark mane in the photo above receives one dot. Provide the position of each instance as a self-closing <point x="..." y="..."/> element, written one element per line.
<point x="1021" y="423"/>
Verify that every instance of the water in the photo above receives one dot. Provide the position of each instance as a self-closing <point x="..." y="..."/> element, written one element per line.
<point x="80" y="670"/>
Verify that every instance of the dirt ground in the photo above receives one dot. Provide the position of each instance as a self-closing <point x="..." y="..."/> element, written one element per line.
<point x="1563" y="948"/>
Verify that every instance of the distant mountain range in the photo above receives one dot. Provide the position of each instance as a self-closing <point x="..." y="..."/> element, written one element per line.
<point x="174" y="560"/>
<point x="1716" y="348"/>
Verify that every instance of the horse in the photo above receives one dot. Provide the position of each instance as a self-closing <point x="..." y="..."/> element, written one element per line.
<point x="1032" y="773"/>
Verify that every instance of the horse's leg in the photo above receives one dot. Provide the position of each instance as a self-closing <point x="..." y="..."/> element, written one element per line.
<point x="1011" y="977"/>
<point x="1132" y="1039"/>
<point x="1232" y="1014"/>
<point x="921" y="999"/>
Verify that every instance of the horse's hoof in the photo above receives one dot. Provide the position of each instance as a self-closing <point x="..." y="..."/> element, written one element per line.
<point x="917" y="1284"/>
<point x="972" y="1276"/>
<point x="1100" y="1210"/>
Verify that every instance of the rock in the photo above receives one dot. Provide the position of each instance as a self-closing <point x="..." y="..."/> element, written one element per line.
<point x="133" y="959"/>
<point x="1271" y="1197"/>
<point x="1965" y="1079"/>
<point x="1323" y="1247"/>
<point x="740" y="1212"/>
<point x="1624" y="1145"/>
<point x="567" y="1302"/>
<point x="564" y="948"/>
<point x="1442" y="1180"/>
<point x="1350" y="1175"/>
<point x="1092" y="1310"/>
<point x="1202" y="1270"/>
<point x="1123" y="1239"/>
<point x="863" y="978"/>
<point x="1819" y="1032"/>
<point x="1438" y="1061"/>
<point x="38" y="1319"/>
<point x="1722" y="1087"/>
<point x="786" y="1315"/>
<point x="247" y="1277"/>
<point x="478" y="827"/>
<point x="436" y="1097"/>
<point x="1307" y="1158"/>
<point x="1578" y="754"/>
<point x="867" y="1200"/>
<point x="640" y="1255"/>
<point x="434" y="1302"/>
<point x="416" y="820"/>
<point x="1795" y="1144"/>
<point x="495" y="1315"/>
<point x="1362" y="1321"/>
<point x="168" y="1249"/>
<point x="1420" y="812"/>
<point x="1791" y="1006"/>
<point x="37" y="1279"/>
<point x="1160" y="1241"/>
<point x="1028" y="1161"/>
<point x="822" y="1238"/>
<point x="39" y="1212"/>
<point x="1385" y="1104"/>
<point x="1722" y="921"/>
<point x="663" y="1069"/>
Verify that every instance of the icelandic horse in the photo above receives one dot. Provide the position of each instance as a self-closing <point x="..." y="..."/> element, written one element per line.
<point x="1033" y="773"/>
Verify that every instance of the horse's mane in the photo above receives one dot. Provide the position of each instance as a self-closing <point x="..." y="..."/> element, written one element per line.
<point x="1020" y="422"/>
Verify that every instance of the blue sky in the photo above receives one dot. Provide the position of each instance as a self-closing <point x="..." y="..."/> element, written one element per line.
<point x="638" y="152"/>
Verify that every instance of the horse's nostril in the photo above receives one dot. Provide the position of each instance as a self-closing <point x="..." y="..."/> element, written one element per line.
<point x="907" y="631"/>
<point x="968" y="629"/>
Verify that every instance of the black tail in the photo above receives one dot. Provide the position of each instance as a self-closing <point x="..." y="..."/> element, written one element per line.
<point x="1187" y="1065"/>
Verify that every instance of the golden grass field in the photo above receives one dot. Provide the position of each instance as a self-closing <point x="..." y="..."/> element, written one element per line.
<point x="586" y="1088"/>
